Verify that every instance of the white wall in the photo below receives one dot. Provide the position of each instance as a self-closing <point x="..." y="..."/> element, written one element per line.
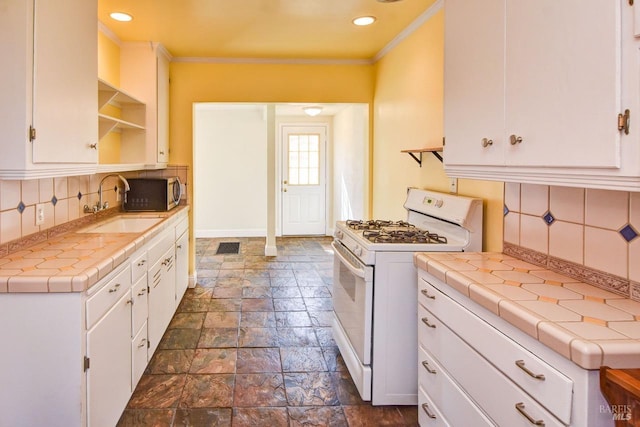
<point x="230" y="166"/>
<point x="350" y="163"/>
<point x="230" y="170"/>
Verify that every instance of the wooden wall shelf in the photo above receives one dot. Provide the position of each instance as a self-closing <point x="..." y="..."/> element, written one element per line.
<point x="417" y="153"/>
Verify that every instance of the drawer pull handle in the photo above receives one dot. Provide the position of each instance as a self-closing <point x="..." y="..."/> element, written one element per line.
<point x="426" y="409"/>
<point x="141" y="263"/>
<point x="520" y="364"/>
<point x="426" y="322"/>
<point x="142" y="343"/>
<point x="520" y="408"/>
<point x="142" y="292"/>
<point x="130" y="301"/>
<point x="426" y="294"/>
<point x="115" y="288"/>
<point x="427" y="367"/>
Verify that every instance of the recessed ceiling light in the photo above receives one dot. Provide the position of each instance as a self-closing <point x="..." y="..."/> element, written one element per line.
<point x="121" y="16"/>
<point x="312" y="111"/>
<point x="364" y="20"/>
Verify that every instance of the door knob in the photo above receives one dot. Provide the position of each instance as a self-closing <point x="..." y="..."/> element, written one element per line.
<point x="486" y="142"/>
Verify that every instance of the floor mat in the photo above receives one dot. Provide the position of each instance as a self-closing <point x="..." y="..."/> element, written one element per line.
<point x="228" y="248"/>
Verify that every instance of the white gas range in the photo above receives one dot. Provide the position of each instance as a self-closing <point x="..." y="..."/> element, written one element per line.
<point x="375" y="288"/>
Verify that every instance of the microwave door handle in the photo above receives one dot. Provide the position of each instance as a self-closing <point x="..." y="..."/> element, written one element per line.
<point x="355" y="269"/>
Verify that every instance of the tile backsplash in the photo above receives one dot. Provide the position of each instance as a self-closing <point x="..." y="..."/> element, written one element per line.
<point x="592" y="235"/>
<point x="63" y="199"/>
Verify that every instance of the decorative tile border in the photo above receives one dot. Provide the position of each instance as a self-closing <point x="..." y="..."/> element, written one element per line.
<point x="601" y="279"/>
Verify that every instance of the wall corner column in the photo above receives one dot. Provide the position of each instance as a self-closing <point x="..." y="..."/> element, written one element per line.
<point x="270" y="248"/>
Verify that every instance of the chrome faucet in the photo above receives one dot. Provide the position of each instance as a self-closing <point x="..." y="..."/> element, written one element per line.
<point x="100" y="205"/>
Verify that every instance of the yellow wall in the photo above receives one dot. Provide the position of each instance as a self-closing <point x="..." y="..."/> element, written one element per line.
<point x="408" y="114"/>
<point x="211" y="82"/>
<point x="108" y="60"/>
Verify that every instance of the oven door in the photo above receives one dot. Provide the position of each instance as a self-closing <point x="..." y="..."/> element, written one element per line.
<point x="353" y="308"/>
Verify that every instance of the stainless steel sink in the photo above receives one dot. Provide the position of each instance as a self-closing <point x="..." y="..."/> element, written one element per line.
<point x="123" y="224"/>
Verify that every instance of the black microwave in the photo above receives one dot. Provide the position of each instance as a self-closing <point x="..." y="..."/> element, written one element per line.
<point x="152" y="194"/>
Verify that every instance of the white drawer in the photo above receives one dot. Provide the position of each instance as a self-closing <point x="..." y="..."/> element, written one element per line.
<point x="139" y="266"/>
<point x="551" y="388"/>
<point x="449" y="398"/>
<point x="139" y="347"/>
<point x="181" y="227"/>
<point x="428" y="413"/>
<point x="140" y="304"/>
<point x="160" y="244"/>
<point x="474" y="374"/>
<point x="100" y="302"/>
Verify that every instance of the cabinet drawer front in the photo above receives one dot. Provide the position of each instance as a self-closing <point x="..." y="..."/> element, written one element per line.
<point x="140" y="304"/>
<point x="139" y="266"/>
<point x="428" y="414"/>
<point x="99" y="303"/>
<point x="543" y="382"/>
<point x="181" y="227"/>
<point x="139" y="347"/>
<point x="473" y="372"/>
<point x="450" y="399"/>
<point x="160" y="245"/>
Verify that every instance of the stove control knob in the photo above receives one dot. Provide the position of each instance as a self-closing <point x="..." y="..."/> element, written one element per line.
<point x="339" y="234"/>
<point x="439" y="203"/>
<point x="357" y="250"/>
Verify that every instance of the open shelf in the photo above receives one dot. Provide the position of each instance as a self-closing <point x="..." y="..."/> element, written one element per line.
<point x="417" y="153"/>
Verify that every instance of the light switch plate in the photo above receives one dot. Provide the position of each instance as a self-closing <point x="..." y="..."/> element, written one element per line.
<point x="453" y="185"/>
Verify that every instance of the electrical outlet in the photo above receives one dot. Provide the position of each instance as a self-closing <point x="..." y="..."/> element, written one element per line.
<point x="39" y="214"/>
<point x="453" y="185"/>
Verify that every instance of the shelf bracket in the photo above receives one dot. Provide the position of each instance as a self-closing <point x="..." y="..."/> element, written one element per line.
<point x="416" y="158"/>
<point x="419" y="159"/>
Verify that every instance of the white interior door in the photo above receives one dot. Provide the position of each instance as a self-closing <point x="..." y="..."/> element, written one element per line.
<point x="303" y="180"/>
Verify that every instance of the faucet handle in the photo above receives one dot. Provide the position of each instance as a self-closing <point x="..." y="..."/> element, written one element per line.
<point x="106" y="205"/>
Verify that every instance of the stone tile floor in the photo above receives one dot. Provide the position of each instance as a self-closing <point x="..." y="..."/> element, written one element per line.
<point x="251" y="345"/>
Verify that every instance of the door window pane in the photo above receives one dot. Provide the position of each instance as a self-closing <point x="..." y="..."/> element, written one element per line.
<point x="304" y="159"/>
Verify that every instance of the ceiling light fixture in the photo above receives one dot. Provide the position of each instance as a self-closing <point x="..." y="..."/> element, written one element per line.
<point x="121" y="16"/>
<point x="312" y="111"/>
<point x="364" y="20"/>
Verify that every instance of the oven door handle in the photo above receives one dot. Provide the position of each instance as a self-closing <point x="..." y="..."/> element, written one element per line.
<point x="358" y="270"/>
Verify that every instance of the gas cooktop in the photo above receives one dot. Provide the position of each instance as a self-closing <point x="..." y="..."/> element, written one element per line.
<point x="382" y="231"/>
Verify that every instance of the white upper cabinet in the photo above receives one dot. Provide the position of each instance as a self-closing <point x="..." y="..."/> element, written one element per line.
<point x="474" y="82"/>
<point x="533" y="91"/>
<point x="49" y="86"/>
<point x="144" y="71"/>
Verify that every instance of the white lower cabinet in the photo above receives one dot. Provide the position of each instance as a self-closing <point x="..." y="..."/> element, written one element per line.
<point x="139" y="356"/>
<point x="161" y="281"/>
<point x="477" y="369"/>
<point x="109" y="361"/>
<point x="76" y="357"/>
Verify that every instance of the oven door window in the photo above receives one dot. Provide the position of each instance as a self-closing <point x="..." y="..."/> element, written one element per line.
<point x="353" y="302"/>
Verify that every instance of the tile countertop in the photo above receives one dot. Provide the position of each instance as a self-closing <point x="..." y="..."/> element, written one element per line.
<point x="73" y="262"/>
<point x="585" y="324"/>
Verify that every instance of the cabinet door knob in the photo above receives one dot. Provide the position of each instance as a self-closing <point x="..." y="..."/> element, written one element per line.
<point x="514" y="139"/>
<point x="487" y="142"/>
<point x="94" y="146"/>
